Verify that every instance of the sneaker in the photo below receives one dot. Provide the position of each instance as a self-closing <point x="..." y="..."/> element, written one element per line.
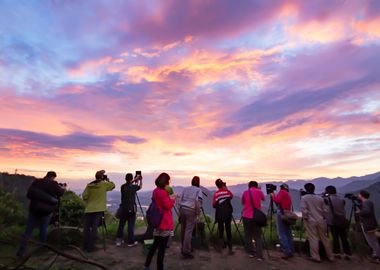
<point x="337" y="256"/>
<point x="314" y="260"/>
<point x="231" y="252"/>
<point x="133" y="244"/>
<point x="347" y="257"/>
<point x="146" y="268"/>
<point x="286" y="257"/>
<point x="259" y="259"/>
<point x="119" y="242"/>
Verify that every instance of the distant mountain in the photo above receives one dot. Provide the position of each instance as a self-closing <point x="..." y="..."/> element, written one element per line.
<point x="17" y="184"/>
<point x="357" y="185"/>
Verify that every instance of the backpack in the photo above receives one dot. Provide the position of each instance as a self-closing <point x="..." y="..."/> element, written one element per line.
<point x="153" y="215"/>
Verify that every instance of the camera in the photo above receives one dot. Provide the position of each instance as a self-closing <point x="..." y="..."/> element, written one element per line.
<point x="302" y="192"/>
<point x="351" y="197"/>
<point x="105" y="177"/>
<point x="62" y="184"/>
<point x="270" y="188"/>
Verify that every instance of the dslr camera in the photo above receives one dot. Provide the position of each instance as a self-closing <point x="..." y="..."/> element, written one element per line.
<point x="351" y="197"/>
<point x="270" y="188"/>
<point x="62" y="184"/>
<point x="302" y="192"/>
<point x="105" y="177"/>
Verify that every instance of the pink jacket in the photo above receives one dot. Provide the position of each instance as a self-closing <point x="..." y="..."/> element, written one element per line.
<point x="165" y="204"/>
<point x="257" y="197"/>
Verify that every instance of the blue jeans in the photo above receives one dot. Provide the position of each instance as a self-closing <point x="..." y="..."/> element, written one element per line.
<point x="33" y="221"/>
<point x="285" y="235"/>
<point x="131" y="218"/>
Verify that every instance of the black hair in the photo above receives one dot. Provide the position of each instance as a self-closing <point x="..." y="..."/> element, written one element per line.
<point x="195" y="181"/>
<point x="162" y="180"/>
<point x="364" y="194"/>
<point x="252" y="184"/>
<point x="219" y="183"/>
<point x="51" y="174"/>
<point x="330" y="190"/>
<point x="128" y="177"/>
<point x="309" y="187"/>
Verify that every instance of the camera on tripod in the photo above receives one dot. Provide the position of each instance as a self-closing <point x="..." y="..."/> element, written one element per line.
<point x="352" y="197"/>
<point x="270" y="188"/>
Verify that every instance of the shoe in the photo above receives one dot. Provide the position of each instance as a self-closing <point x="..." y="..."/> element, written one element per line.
<point x="133" y="244"/>
<point x="119" y="242"/>
<point x="146" y="268"/>
<point x="347" y="257"/>
<point x="231" y="252"/>
<point x="187" y="256"/>
<point x="314" y="260"/>
<point x="251" y="256"/>
<point x="337" y="256"/>
<point x="259" y="259"/>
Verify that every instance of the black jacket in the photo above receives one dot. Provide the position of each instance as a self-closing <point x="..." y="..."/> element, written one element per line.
<point x="367" y="216"/>
<point x="44" y="195"/>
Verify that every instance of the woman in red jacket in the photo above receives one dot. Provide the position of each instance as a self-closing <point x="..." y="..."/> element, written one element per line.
<point x="161" y="235"/>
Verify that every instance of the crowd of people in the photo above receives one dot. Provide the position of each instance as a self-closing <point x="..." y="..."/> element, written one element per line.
<point x="320" y="215"/>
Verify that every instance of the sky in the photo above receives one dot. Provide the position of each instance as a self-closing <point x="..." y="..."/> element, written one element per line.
<point x="242" y="90"/>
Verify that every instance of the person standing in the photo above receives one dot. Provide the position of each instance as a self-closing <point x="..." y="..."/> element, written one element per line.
<point x="314" y="211"/>
<point x="368" y="223"/>
<point x="339" y="232"/>
<point x="128" y="209"/>
<point x="190" y="207"/>
<point x="95" y="198"/>
<point x="165" y="229"/>
<point x="223" y="213"/>
<point x="284" y="203"/>
<point x="44" y="195"/>
<point x="252" y="197"/>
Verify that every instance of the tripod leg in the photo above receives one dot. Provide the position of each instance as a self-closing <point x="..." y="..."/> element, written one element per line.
<point x="104" y="232"/>
<point x="265" y="244"/>
<point x="141" y="209"/>
<point x="208" y="225"/>
<point x="238" y="231"/>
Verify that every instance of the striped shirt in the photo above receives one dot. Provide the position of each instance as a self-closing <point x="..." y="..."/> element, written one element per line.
<point x="221" y="195"/>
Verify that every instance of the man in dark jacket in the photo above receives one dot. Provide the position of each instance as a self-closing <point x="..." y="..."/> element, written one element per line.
<point x="44" y="195"/>
<point x="128" y="209"/>
<point x="369" y="223"/>
<point x="337" y="222"/>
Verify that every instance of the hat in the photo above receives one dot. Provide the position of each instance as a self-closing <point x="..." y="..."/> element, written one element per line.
<point x="219" y="182"/>
<point x="285" y="186"/>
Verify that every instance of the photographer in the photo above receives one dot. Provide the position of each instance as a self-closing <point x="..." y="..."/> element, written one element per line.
<point x="95" y="197"/>
<point x="223" y="213"/>
<point x="284" y="203"/>
<point x="128" y="208"/>
<point x="44" y="195"/>
<point x="314" y="211"/>
<point x="369" y="223"/>
<point x="337" y="222"/>
<point x="190" y="207"/>
<point x="252" y="198"/>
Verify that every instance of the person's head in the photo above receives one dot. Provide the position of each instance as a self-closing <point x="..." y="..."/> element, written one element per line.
<point x="50" y="175"/>
<point x="196" y="181"/>
<point x="330" y="190"/>
<point x="162" y="180"/>
<point x="310" y="188"/>
<point x="99" y="175"/>
<point x="363" y="195"/>
<point x="252" y="184"/>
<point x="219" y="183"/>
<point x="128" y="177"/>
<point x="284" y="187"/>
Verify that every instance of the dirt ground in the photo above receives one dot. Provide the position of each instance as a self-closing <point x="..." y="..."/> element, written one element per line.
<point x="122" y="258"/>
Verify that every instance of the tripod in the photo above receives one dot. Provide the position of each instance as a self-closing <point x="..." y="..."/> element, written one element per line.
<point x="270" y="214"/>
<point x="104" y="231"/>
<point x="141" y="209"/>
<point x="354" y="207"/>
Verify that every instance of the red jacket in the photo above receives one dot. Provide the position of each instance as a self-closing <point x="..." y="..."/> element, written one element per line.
<point x="283" y="199"/>
<point x="165" y="204"/>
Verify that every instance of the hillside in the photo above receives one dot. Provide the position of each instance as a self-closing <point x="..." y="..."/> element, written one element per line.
<point x="16" y="184"/>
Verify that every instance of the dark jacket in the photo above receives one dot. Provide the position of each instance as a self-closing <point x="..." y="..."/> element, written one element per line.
<point x="336" y="204"/>
<point x="367" y="216"/>
<point x="128" y="198"/>
<point x="44" y="195"/>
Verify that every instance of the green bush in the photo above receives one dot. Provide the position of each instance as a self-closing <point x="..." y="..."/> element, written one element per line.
<point x="11" y="211"/>
<point x="71" y="209"/>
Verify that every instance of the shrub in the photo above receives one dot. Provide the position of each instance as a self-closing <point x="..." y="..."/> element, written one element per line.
<point x="71" y="209"/>
<point x="11" y="211"/>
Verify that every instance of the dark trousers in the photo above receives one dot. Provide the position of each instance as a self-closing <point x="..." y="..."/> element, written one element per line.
<point x="131" y="218"/>
<point x="340" y="235"/>
<point x="33" y="221"/>
<point x="90" y="229"/>
<point x="227" y="225"/>
<point x="252" y="231"/>
<point x="160" y="243"/>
